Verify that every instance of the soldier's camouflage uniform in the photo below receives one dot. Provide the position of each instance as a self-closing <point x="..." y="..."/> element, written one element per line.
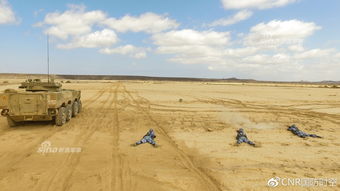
<point x="298" y="132"/>
<point x="242" y="137"/>
<point x="148" y="138"/>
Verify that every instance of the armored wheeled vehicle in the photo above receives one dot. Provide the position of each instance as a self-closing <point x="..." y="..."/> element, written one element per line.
<point x="40" y="101"/>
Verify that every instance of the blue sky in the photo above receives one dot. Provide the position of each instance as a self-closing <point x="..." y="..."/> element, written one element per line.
<point x="261" y="39"/>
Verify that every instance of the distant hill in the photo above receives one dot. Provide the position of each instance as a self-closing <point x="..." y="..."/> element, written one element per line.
<point x="111" y="77"/>
<point x="146" y="78"/>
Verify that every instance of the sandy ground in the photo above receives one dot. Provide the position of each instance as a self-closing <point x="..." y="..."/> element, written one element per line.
<point x="196" y="137"/>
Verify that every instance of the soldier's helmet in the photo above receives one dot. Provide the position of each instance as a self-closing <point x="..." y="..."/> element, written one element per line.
<point x="240" y="130"/>
<point x="292" y="128"/>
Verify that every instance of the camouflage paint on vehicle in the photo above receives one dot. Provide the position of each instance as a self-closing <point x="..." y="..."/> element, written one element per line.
<point x="39" y="101"/>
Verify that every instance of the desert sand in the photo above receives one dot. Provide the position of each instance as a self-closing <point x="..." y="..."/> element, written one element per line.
<point x="196" y="136"/>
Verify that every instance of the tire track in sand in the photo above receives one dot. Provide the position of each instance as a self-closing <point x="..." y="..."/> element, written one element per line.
<point x="120" y="171"/>
<point x="283" y="110"/>
<point x="210" y="183"/>
<point x="95" y="97"/>
<point x="116" y="171"/>
<point x="21" y="153"/>
<point x="15" y="158"/>
<point x="61" y="179"/>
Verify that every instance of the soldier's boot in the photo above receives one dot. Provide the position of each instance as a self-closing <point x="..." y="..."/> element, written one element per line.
<point x="251" y="143"/>
<point x="152" y="142"/>
<point x="315" y="136"/>
<point x="138" y="143"/>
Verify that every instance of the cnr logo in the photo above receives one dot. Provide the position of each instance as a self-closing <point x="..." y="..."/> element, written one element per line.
<point x="273" y="182"/>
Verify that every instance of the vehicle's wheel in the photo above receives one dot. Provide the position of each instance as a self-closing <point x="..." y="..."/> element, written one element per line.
<point x="80" y="106"/>
<point x="68" y="112"/>
<point x="11" y="122"/>
<point x="60" y="119"/>
<point x="75" y="109"/>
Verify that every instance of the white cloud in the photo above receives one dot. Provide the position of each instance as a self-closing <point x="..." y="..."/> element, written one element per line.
<point x="273" y="50"/>
<point x="315" y="53"/>
<point x="267" y="59"/>
<point x="7" y="15"/>
<point x="192" y="47"/>
<point x="250" y="59"/>
<point x="103" y="38"/>
<point x="255" y="4"/>
<point x="188" y="37"/>
<point x="296" y="48"/>
<point x="337" y="55"/>
<point x="75" y="21"/>
<point x="314" y="65"/>
<point x="277" y="33"/>
<point x="129" y="50"/>
<point x="239" y="16"/>
<point x="240" y="52"/>
<point x="74" y="27"/>
<point x="147" y="22"/>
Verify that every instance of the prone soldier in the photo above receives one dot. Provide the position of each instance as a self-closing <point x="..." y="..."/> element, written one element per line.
<point x="242" y="137"/>
<point x="298" y="132"/>
<point x="147" y="138"/>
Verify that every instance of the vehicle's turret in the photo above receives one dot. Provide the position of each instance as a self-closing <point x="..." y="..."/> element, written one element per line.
<point x="38" y="85"/>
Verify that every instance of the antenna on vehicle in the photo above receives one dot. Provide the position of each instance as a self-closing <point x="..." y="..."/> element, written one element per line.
<point x="48" y="59"/>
